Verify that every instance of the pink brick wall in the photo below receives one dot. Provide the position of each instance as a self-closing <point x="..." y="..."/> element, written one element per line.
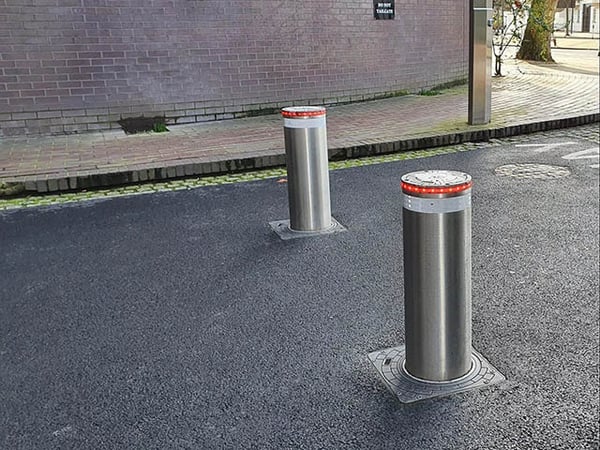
<point x="78" y="65"/>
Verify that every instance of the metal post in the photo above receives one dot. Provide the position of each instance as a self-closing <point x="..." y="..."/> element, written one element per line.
<point x="305" y="135"/>
<point x="480" y="62"/>
<point x="437" y="274"/>
<point x="437" y="358"/>
<point x="307" y="168"/>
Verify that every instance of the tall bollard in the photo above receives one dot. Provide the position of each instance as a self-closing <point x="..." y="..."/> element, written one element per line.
<point x="437" y="274"/>
<point x="480" y="62"/>
<point x="305" y="136"/>
<point x="437" y="358"/>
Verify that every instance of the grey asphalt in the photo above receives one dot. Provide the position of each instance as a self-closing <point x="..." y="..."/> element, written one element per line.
<point x="181" y="321"/>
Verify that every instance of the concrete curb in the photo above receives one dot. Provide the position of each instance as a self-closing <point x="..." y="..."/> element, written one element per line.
<point x="173" y="169"/>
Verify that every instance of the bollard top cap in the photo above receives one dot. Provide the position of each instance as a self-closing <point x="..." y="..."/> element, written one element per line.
<point x="303" y="112"/>
<point x="436" y="182"/>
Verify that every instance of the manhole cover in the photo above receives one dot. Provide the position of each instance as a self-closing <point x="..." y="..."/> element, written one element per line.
<point x="534" y="171"/>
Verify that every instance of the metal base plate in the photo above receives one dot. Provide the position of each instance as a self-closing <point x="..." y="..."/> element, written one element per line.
<point x="282" y="228"/>
<point x="390" y="365"/>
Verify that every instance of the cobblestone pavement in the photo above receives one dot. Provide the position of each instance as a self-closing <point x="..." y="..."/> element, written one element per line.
<point x="531" y="97"/>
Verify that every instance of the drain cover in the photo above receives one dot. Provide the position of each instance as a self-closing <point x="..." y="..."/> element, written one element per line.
<point x="390" y="365"/>
<point x="533" y="171"/>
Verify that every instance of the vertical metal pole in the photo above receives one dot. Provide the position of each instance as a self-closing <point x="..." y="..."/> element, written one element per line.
<point x="480" y="62"/>
<point x="307" y="168"/>
<point x="437" y="274"/>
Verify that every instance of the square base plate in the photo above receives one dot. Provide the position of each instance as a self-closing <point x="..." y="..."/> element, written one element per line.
<point x="282" y="228"/>
<point x="390" y="365"/>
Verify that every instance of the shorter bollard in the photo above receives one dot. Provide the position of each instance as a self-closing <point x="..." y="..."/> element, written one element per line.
<point x="305" y="134"/>
<point x="437" y="358"/>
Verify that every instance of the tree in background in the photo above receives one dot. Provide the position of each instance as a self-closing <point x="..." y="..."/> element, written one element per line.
<point x="510" y="18"/>
<point x="538" y="33"/>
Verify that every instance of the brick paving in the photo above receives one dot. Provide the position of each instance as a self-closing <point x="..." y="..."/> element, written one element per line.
<point x="531" y="97"/>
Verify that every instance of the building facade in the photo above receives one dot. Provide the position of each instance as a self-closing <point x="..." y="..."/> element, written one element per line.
<point x="581" y="16"/>
<point x="70" y="66"/>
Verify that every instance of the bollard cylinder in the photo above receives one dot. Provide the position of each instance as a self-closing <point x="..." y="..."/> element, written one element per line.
<point x="480" y="62"/>
<point x="437" y="274"/>
<point x="307" y="168"/>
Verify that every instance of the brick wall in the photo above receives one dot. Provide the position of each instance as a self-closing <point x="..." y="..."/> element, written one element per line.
<point x="78" y="65"/>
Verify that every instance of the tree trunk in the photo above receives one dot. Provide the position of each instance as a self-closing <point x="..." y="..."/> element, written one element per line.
<point x="538" y="33"/>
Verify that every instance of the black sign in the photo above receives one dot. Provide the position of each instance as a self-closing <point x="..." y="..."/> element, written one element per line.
<point x="383" y="10"/>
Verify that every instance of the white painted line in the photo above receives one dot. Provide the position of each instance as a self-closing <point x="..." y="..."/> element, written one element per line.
<point x="545" y="147"/>
<point x="590" y="153"/>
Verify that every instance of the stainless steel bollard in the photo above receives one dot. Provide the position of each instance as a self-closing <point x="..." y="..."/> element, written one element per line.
<point x="437" y="358"/>
<point x="437" y="274"/>
<point x="307" y="168"/>
<point x="480" y="62"/>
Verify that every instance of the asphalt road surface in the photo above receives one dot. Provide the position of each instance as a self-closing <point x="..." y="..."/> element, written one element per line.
<point x="181" y="321"/>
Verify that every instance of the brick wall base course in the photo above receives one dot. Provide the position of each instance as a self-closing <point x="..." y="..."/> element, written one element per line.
<point x="81" y="121"/>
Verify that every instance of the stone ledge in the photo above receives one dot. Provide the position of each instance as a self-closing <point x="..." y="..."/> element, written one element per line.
<point x="170" y="170"/>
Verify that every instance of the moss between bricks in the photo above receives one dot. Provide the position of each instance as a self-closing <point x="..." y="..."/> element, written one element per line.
<point x="146" y="124"/>
<point x="276" y="110"/>
<point x="450" y="85"/>
<point x="11" y="189"/>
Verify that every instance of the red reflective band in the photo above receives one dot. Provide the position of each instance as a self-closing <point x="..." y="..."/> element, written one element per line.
<point x="411" y="188"/>
<point x="302" y="114"/>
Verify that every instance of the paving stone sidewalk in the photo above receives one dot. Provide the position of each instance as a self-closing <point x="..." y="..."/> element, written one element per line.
<point x="529" y="98"/>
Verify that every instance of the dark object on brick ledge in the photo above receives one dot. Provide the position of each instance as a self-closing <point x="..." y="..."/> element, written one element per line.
<point x="142" y="124"/>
